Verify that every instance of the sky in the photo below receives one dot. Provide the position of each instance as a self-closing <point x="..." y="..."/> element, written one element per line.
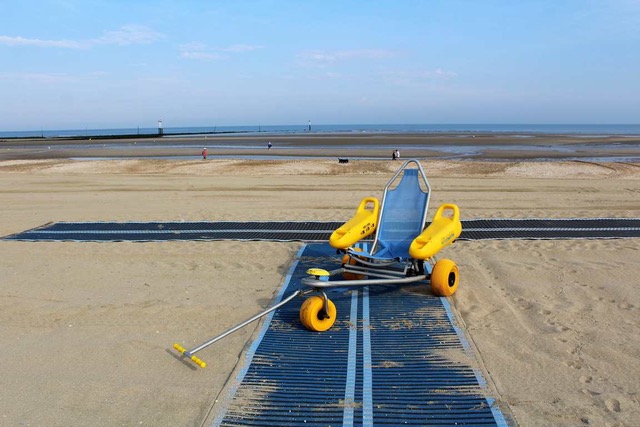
<point x="68" y="64"/>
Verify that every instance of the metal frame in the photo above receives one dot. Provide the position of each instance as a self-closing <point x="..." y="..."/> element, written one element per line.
<point x="388" y="186"/>
<point x="191" y="353"/>
<point x="405" y="272"/>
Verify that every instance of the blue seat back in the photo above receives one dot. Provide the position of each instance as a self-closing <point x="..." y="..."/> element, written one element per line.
<point x="402" y="218"/>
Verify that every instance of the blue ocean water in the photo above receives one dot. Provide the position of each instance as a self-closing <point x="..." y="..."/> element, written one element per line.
<point x="524" y="129"/>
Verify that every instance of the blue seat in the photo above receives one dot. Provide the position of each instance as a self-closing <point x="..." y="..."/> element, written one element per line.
<point x="402" y="215"/>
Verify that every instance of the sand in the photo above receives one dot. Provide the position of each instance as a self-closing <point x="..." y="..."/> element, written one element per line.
<point x="87" y="328"/>
<point x="336" y="145"/>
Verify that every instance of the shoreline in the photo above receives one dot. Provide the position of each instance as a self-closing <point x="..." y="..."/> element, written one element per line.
<point x="352" y="128"/>
<point x="361" y="146"/>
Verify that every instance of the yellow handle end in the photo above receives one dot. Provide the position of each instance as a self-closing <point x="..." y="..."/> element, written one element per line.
<point x="199" y="362"/>
<point x="194" y="359"/>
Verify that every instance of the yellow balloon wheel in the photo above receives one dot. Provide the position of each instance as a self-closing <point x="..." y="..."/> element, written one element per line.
<point x="314" y="317"/>
<point x="444" y="278"/>
<point x="346" y="259"/>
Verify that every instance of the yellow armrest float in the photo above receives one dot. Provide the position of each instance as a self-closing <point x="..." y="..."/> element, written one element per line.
<point x="441" y="233"/>
<point x="360" y="226"/>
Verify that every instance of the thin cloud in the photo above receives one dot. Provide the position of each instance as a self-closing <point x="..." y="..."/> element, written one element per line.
<point x="203" y="52"/>
<point x="53" y="78"/>
<point x="403" y="78"/>
<point x="323" y="58"/>
<point x="321" y="75"/>
<point x="22" y="41"/>
<point x="126" y="35"/>
<point x="241" y="48"/>
<point x="201" y="55"/>
<point x="46" y="78"/>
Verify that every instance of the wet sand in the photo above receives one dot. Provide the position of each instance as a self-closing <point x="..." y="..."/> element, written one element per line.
<point x="379" y="146"/>
<point x="88" y="327"/>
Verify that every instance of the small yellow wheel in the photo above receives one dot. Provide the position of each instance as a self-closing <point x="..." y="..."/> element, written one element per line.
<point x="313" y="315"/>
<point x="347" y="259"/>
<point x="444" y="278"/>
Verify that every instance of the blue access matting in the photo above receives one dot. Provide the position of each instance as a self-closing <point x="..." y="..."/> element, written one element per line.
<point x="550" y="228"/>
<point x="393" y="357"/>
<point x="319" y="231"/>
<point x="309" y="231"/>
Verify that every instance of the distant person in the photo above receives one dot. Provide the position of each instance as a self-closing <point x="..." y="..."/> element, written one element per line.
<point x="204" y="153"/>
<point x="397" y="154"/>
<point x="269" y="145"/>
<point x="393" y="155"/>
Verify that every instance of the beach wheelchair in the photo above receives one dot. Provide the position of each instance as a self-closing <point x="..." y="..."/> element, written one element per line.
<point x="402" y="251"/>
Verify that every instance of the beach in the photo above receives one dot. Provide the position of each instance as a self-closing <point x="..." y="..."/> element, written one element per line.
<point x="88" y="327"/>
<point x="364" y="146"/>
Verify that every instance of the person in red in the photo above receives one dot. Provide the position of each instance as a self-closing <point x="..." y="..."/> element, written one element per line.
<point x="204" y="153"/>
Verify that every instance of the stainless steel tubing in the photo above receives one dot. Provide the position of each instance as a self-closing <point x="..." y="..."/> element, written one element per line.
<point x="243" y="324"/>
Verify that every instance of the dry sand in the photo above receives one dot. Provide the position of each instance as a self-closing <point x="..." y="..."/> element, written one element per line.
<point x="87" y="327"/>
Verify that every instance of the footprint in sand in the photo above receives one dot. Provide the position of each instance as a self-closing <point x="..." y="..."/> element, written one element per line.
<point x="625" y="306"/>
<point x="585" y="379"/>
<point x="536" y="254"/>
<point x="556" y="326"/>
<point x="613" y="405"/>
<point x="574" y="365"/>
<point x="524" y="304"/>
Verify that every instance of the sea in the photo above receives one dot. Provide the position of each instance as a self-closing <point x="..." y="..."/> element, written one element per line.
<point x="524" y="129"/>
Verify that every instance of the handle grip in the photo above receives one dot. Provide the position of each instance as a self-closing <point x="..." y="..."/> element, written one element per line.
<point x="199" y="362"/>
<point x="451" y="206"/>
<point x="193" y="358"/>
